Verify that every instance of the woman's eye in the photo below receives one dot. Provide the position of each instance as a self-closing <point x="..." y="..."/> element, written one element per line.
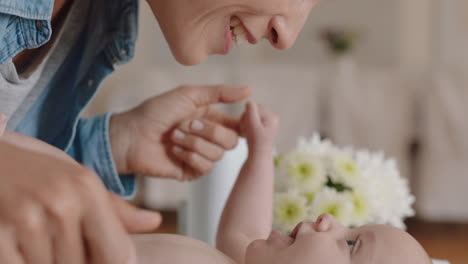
<point x="351" y="244"/>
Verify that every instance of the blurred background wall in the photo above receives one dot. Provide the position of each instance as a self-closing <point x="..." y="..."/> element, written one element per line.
<point x="402" y="89"/>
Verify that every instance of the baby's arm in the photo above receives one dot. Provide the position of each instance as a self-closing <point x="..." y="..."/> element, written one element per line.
<point x="248" y="212"/>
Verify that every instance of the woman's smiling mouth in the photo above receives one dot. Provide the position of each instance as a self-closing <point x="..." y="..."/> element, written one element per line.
<point x="236" y="33"/>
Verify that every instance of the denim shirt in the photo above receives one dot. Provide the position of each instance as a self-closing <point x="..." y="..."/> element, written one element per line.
<point x="108" y="39"/>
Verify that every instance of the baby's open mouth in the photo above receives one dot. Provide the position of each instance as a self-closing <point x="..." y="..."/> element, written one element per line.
<point x="295" y="231"/>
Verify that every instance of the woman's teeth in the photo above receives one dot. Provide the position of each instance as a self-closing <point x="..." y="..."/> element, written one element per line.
<point x="238" y="33"/>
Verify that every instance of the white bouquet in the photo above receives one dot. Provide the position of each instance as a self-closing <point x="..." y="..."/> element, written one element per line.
<point x="356" y="186"/>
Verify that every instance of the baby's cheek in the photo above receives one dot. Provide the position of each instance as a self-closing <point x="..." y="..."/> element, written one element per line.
<point x="317" y="252"/>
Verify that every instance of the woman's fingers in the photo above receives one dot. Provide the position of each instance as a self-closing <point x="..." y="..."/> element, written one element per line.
<point x="204" y="148"/>
<point x="135" y="220"/>
<point x="8" y="248"/>
<point x="69" y="243"/>
<point x="198" y="164"/>
<point x="106" y="240"/>
<point x="34" y="231"/>
<point x="212" y="132"/>
<point x="222" y="118"/>
<point x="201" y="143"/>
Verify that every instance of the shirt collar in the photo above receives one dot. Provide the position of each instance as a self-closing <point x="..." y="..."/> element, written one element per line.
<point x="29" y="9"/>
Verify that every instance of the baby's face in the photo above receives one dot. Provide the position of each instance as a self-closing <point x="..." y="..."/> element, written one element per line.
<point x="327" y="241"/>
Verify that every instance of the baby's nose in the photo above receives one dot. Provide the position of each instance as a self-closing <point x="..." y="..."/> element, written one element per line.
<point x="325" y="222"/>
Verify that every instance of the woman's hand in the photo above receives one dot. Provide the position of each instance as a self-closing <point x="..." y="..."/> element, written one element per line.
<point x="53" y="210"/>
<point x="157" y="137"/>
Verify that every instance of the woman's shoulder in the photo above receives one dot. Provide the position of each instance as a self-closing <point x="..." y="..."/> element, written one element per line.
<point x="175" y="249"/>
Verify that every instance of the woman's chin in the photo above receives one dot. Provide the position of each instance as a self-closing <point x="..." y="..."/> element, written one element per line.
<point x="190" y="58"/>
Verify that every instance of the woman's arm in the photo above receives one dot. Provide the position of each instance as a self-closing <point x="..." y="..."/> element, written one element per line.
<point x="248" y="212"/>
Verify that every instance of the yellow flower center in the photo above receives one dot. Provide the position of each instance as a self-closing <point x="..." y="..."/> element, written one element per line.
<point x="277" y="161"/>
<point x="310" y="197"/>
<point x="360" y="206"/>
<point x="349" y="167"/>
<point x="305" y="172"/>
<point x="332" y="209"/>
<point x="291" y="211"/>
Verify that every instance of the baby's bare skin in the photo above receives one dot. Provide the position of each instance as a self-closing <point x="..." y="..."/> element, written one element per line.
<point x="175" y="249"/>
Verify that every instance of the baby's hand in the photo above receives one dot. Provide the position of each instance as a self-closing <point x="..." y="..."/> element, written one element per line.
<point x="259" y="125"/>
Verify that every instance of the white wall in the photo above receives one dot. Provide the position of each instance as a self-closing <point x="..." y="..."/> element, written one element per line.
<point x="416" y="33"/>
<point x="451" y="33"/>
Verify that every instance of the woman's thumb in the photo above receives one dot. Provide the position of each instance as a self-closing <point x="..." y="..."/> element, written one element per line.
<point x="135" y="220"/>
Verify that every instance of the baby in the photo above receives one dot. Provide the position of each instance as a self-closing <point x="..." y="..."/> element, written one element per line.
<point x="245" y="235"/>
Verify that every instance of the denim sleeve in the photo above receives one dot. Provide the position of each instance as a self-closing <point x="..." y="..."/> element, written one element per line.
<point x="91" y="147"/>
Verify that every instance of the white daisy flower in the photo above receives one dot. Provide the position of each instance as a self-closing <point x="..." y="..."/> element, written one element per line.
<point x="361" y="213"/>
<point x="365" y="187"/>
<point x="337" y="204"/>
<point x="345" y="170"/>
<point x="290" y="209"/>
<point x="302" y="170"/>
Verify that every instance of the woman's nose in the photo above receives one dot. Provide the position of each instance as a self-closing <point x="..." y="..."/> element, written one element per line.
<point x="284" y="29"/>
<point x="282" y="35"/>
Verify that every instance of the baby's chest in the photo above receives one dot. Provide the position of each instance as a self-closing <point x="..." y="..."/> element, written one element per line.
<point x="163" y="249"/>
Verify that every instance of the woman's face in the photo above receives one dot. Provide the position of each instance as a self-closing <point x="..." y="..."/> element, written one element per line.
<point x="196" y="29"/>
<point x="327" y="241"/>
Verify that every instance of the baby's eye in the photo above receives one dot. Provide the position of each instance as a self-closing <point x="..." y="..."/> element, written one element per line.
<point x="351" y="244"/>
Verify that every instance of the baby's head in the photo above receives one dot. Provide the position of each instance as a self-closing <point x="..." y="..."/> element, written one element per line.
<point x="327" y="241"/>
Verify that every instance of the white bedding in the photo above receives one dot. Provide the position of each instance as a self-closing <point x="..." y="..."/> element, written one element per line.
<point x="438" y="261"/>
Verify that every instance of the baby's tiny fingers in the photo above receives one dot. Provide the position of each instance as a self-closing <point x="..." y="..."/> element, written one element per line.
<point x="253" y="116"/>
<point x="197" y="163"/>
<point x="268" y="117"/>
<point x="196" y="144"/>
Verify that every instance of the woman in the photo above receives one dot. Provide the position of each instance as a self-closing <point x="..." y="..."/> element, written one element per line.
<point x="53" y="56"/>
